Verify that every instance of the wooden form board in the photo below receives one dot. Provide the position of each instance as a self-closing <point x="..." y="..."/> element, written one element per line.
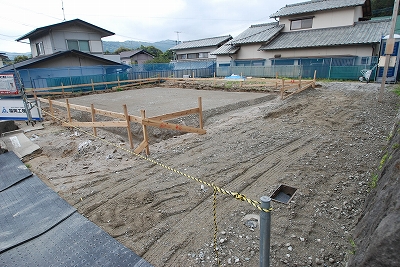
<point x="124" y="120"/>
<point x="63" y="88"/>
<point x="298" y="87"/>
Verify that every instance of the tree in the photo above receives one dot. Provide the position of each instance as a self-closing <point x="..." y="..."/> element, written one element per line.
<point x="20" y="58"/>
<point x="121" y="49"/>
<point x="165" y="57"/>
<point x="382" y="7"/>
<point x="151" y="50"/>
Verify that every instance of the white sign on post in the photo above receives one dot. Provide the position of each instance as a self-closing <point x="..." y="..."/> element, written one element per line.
<point x="14" y="109"/>
<point x="7" y="85"/>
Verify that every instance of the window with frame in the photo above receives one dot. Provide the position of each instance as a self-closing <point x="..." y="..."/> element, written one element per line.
<point x="192" y="56"/>
<point x="298" y="24"/>
<point x="80" y="45"/>
<point x="203" y="55"/>
<point x="283" y="62"/>
<point x="39" y="48"/>
<point x="364" y="60"/>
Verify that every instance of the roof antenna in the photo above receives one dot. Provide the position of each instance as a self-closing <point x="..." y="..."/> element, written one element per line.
<point x="62" y="7"/>
<point x="177" y="36"/>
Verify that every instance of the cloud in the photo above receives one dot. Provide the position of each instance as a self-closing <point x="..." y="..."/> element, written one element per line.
<point x="150" y="20"/>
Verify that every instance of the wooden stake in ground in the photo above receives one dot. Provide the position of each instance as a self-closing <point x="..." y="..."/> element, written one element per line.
<point x="128" y="126"/>
<point x="93" y="119"/>
<point x="145" y="134"/>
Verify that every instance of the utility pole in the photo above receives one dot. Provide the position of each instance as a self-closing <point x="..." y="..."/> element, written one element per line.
<point x="389" y="49"/>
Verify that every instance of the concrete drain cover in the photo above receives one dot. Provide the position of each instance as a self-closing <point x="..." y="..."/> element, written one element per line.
<point x="283" y="194"/>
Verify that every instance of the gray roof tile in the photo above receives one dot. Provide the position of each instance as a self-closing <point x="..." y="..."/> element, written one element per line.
<point x="46" y="29"/>
<point x="226" y="49"/>
<point x="131" y="53"/>
<point x="315" y="5"/>
<point x="259" y="33"/>
<point x="213" y="41"/>
<point x="366" y="32"/>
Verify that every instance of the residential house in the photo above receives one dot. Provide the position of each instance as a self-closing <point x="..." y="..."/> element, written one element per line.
<point x="73" y="43"/>
<point x="201" y="49"/>
<point x="135" y="57"/>
<point x="65" y="36"/>
<point x="307" y="32"/>
<point x="57" y="49"/>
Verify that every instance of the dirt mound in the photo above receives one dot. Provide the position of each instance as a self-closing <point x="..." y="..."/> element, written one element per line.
<point x="326" y="142"/>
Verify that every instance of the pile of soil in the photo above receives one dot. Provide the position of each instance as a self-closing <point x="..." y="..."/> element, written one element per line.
<point x="326" y="142"/>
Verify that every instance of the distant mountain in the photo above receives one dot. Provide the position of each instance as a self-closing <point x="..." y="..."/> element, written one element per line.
<point x="12" y="55"/>
<point x="111" y="46"/>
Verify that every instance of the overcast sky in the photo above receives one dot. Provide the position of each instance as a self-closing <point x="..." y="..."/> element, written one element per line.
<point x="139" y="20"/>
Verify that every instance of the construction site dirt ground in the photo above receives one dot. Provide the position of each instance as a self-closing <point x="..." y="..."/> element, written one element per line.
<point x="327" y="142"/>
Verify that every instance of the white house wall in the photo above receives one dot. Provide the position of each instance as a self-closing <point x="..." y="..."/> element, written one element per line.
<point x="55" y="41"/>
<point x="47" y="45"/>
<point x="328" y="19"/>
<point x="226" y="58"/>
<point x="250" y="51"/>
<point x="74" y="33"/>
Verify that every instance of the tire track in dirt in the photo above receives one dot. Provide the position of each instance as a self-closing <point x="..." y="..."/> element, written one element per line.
<point x="324" y="142"/>
<point x="248" y="178"/>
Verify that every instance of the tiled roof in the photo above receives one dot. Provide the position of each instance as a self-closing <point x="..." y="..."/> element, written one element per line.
<point x="366" y="32"/>
<point x="315" y="5"/>
<point x="259" y="33"/>
<point x="131" y="53"/>
<point x="30" y="62"/>
<point x="226" y="49"/>
<point x="213" y="41"/>
<point x="46" y="29"/>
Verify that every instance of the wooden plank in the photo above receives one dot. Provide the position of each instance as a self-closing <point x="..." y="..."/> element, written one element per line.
<point x="140" y="148"/>
<point x="88" y="85"/>
<point x="128" y="125"/>
<point x="145" y="134"/>
<point x="93" y="118"/>
<point x="96" y="124"/>
<point x="57" y="103"/>
<point x="291" y="87"/>
<point x="172" y="126"/>
<point x="47" y="93"/>
<point x="308" y="85"/>
<point x="106" y="113"/>
<point x="200" y="112"/>
<point x="68" y="110"/>
<point x="173" y="115"/>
